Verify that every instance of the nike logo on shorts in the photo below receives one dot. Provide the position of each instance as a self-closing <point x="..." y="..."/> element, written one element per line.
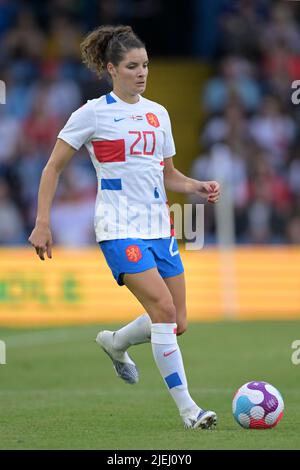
<point x="120" y="119"/>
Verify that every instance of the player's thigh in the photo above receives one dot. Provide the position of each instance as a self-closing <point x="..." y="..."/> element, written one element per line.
<point x="176" y="286"/>
<point x="152" y="292"/>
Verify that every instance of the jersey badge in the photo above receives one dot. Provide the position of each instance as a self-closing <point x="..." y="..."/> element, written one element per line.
<point x="152" y="120"/>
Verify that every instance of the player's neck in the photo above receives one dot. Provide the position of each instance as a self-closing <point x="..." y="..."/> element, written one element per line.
<point x="130" y="99"/>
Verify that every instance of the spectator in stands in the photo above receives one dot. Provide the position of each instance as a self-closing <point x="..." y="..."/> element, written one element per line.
<point x="273" y="129"/>
<point x="281" y="27"/>
<point x="9" y="137"/>
<point x="241" y="26"/>
<point x="236" y="81"/>
<point x="40" y="126"/>
<point x="280" y="67"/>
<point x="11" y="223"/>
<point x="270" y="202"/>
<point x="61" y="95"/>
<point x="64" y="39"/>
<point x="231" y="126"/>
<point x="25" y="40"/>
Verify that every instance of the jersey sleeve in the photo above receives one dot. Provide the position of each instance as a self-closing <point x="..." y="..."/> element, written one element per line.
<point x="169" y="145"/>
<point x="80" y="126"/>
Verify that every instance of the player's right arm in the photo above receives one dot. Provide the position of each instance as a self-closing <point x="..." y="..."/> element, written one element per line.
<point x="41" y="237"/>
<point x="79" y="128"/>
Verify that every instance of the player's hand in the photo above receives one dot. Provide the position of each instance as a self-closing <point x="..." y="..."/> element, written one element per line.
<point x="41" y="239"/>
<point x="209" y="190"/>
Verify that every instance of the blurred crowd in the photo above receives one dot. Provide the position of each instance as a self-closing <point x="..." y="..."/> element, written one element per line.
<point x="252" y="121"/>
<point x="251" y="124"/>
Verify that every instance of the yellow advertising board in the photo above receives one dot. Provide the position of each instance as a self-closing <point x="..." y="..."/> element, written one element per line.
<point x="76" y="286"/>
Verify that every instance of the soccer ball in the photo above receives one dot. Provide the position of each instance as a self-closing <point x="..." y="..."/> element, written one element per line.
<point x="257" y="405"/>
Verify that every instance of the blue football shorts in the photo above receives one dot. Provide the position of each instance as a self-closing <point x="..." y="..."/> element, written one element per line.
<point x="134" y="255"/>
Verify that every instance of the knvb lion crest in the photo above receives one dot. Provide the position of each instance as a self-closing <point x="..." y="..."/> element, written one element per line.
<point x="152" y="120"/>
<point x="133" y="253"/>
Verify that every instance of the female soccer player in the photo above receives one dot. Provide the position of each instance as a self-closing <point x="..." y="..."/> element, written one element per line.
<point x="130" y="143"/>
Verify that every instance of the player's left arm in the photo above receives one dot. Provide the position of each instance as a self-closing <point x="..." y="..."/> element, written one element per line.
<point x="176" y="181"/>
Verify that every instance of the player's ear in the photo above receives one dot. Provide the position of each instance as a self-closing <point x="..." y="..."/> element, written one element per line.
<point x="111" y="69"/>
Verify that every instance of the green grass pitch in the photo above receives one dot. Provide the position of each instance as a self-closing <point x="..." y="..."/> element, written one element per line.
<point x="58" y="389"/>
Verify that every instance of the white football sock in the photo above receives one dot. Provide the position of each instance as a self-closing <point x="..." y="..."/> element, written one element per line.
<point x="136" y="332"/>
<point x="168" y="359"/>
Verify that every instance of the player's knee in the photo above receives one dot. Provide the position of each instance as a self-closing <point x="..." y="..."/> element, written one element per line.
<point x="165" y="311"/>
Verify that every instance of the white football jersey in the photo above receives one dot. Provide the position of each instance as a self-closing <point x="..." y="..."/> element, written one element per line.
<point x="127" y="144"/>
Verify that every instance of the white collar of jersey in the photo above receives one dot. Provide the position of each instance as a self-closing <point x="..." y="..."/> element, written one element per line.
<point x="116" y="97"/>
